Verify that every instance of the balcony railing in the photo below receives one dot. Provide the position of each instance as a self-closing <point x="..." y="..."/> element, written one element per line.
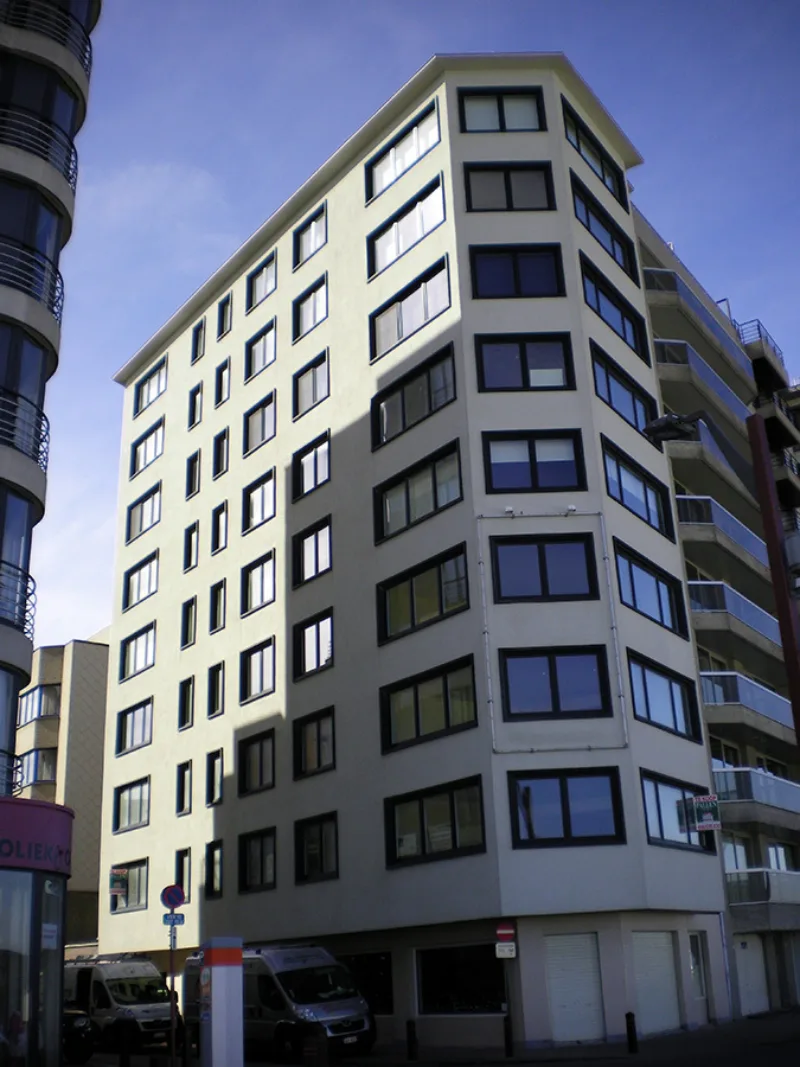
<point x="33" y="274"/>
<point x="719" y="597"/>
<point x="24" y="427"/>
<point x="759" y="885"/>
<point x="754" y="330"/>
<point x="17" y="598"/>
<point x="728" y="687"/>
<point x="790" y="520"/>
<point x="42" y="16"/>
<point x="786" y="458"/>
<point x="705" y="511"/>
<point x="682" y="354"/>
<point x="28" y="132"/>
<point x="745" y="783"/>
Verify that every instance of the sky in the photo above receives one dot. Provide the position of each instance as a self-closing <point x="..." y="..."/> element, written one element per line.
<point x="205" y="115"/>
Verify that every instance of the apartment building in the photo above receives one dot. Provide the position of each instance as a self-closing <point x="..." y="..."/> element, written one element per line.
<point x="402" y="646"/>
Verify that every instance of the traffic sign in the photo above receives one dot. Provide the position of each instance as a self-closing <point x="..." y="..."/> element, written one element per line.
<point x="173" y="918"/>
<point x="173" y="896"/>
<point x="506" y="950"/>
<point x="506" y="932"/>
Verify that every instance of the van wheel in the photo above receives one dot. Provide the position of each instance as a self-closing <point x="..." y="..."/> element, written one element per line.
<point x="286" y="1045"/>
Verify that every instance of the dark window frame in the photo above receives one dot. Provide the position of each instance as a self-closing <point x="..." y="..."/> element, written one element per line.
<point x="245" y="608"/>
<point x="268" y="834"/>
<point x="152" y="492"/>
<point x="192" y="528"/>
<point x="583" y="132"/>
<point x="707" y="843"/>
<point x="219" y="378"/>
<point x="224" y="310"/>
<point x="193" y="463"/>
<point x="449" y="789"/>
<point x="500" y="91"/>
<point x="320" y="212"/>
<point x="318" y="361"/>
<point x="552" y="652"/>
<point x="182" y="854"/>
<point x="300" y="826"/>
<point x="212" y="757"/>
<point x="259" y="646"/>
<point x="531" y="436"/>
<point x="421" y="115"/>
<point x="195" y="414"/>
<point x="674" y="585"/>
<point x="544" y="167"/>
<point x="589" y="272"/>
<point x="119" y="731"/>
<point x="213" y="847"/>
<point x="609" y="448"/>
<point x="217" y="597"/>
<point x="298" y="726"/>
<point x="198" y="340"/>
<point x="127" y="603"/>
<point x="141" y="865"/>
<point x="241" y="751"/>
<point x="593" y="205"/>
<point x="183" y="771"/>
<point x="320" y="283"/>
<point x="250" y="304"/>
<point x="139" y="387"/>
<point x="522" y="339"/>
<point x="442" y="670"/>
<point x="441" y="265"/>
<point x="188" y="632"/>
<point x="118" y="791"/>
<point x="223" y="440"/>
<point x="612" y="369"/>
<point x="268" y="327"/>
<point x="216" y="670"/>
<point x="297" y="551"/>
<point x="541" y="541"/>
<point x="425" y="367"/>
<point x="219" y="544"/>
<point x="135" y="471"/>
<point x="298" y="653"/>
<point x="297" y="459"/>
<point x="123" y="648"/>
<point x="186" y="703"/>
<point x="687" y="684"/>
<point x="404" y="210"/>
<point x="515" y="250"/>
<point x="456" y="551"/>
<point x="452" y="448"/>
<point x="270" y="400"/>
<point x="262" y="480"/>
<point x="563" y="775"/>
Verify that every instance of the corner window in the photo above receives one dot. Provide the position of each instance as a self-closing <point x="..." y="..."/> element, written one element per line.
<point x="195" y="405"/>
<point x="149" y="389"/>
<point x="138" y="652"/>
<point x="311" y="467"/>
<point x="220" y="453"/>
<point x="199" y="341"/>
<point x="663" y="698"/>
<point x="147" y="448"/>
<point x="130" y="886"/>
<point x="189" y="622"/>
<point x="410" y="310"/>
<point x="134" y="727"/>
<point x="258" y="502"/>
<point x="193" y="474"/>
<point x="213" y="870"/>
<point x="418" y="493"/>
<point x="636" y="489"/>
<point x="509" y="187"/>
<point x="216" y="603"/>
<point x="524" y="362"/>
<point x="633" y="403"/>
<point x="311" y="552"/>
<point x="669" y="813"/>
<point x="258" y="583"/>
<point x="132" y="805"/>
<point x="260" y="351"/>
<point x="257" y="861"/>
<point x="614" y="310"/>
<point x="429" y="705"/>
<point x="140" y="581"/>
<point x="570" y="807"/>
<point x="313" y="645"/>
<point x="186" y="703"/>
<point x="191" y="546"/>
<point x="224" y="315"/>
<point x="433" y="824"/>
<point x="402" y="152"/>
<point x="603" y="228"/>
<point x="257" y="671"/>
<point x="406" y="228"/>
<point x="310" y="308"/>
<point x="309" y="237"/>
<point x="584" y="142"/>
<point x="183" y="788"/>
<point x="533" y="462"/>
<point x="257" y="763"/>
<point x="219" y="527"/>
<point x="548" y="567"/>
<point x="555" y="683"/>
<point x="414" y="397"/>
<point x="143" y="514"/>
<point x="316" y="849"/>
<point x="41" y="702"/>
<point x="650" y="591"/>
<point x="424" y="595"/>
<point x="216" y="690"/>
<point x="262" y="281"/>
<point x="509" y="110"/>
<point x="259" y="424"/>
<point x="509" y="271"/>
<point x="222" y="382"/>
<point x="38" y="765"/>
<point x="214" y="778"/>
<point x="313" y="743"/>
<point x="310" y="385"/>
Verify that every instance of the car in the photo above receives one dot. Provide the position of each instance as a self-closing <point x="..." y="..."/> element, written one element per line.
<point x="78" y="1036"/>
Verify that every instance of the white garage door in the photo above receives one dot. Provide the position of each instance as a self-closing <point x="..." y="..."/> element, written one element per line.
<point x="752" y="974"/>
<point x="656" y="983"/>
<point x="573" y="987"/>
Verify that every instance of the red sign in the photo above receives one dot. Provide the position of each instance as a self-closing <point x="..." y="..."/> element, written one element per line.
<point x="506" y="932"/>
<point x="173" y="896"/>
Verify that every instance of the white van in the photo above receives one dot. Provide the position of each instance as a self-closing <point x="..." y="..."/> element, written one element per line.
<point x="125" y="996"/>
<point x="285" y="987"/>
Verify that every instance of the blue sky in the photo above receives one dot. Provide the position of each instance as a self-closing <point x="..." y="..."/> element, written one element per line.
<point x="206" y="114"/>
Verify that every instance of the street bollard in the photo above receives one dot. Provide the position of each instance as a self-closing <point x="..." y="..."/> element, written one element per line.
<point x="508" y="1036"/>
<point x="412" y="1044"/>
<point x="630" y="1031"/>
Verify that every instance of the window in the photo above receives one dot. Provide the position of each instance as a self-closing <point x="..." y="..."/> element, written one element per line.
<point x="550" y="567"/>
<point x="780" y="856"/>
<point x="219" y="527"/>
<point x="310" y="308"/>
<point x="222" y="383"/>
<point x="259" y="352"/>
<point x="533" y="462"/>
<point x="144" y="513"/>
<point x="193" y="474"/>
<point x="183" y="788"/>
<point x="38" y="765"/>
<point x="186" y="703"/>
<point x="183" y="871"/>
<point x="505" y="271"/>
<point x="773" y="767"/>
<point x="410" y="310"/>
<point x="135" y="727"/>
<point x="216" y="690"/>
<point x="132" y="805"/>
<point x="580" y="137"/>
<point x="501" y="110"/>
<point x="314" y="747"/>
<point x="424" y="595"/>
<point x="570" y="807"/>
<point x="316" y="849"/>
<point x="138" y="652"/>
<point x="257" y="861"/>
<point x="663" y="698"/>
<point x="147" y="448"/>
<point x="258" y="502"/>
<point x="224" y="315"/>
<point x="310" y="385"/>
<point x="195" y="405"/>
<point x="418" y="492"/>
<point x="311" y="467"/>
<point x="555" y="683"/>
<point x="524" y="361"/>
<point x="636" y="406"/>
<point x="406" y="228"/>
<point x="191" y="546"/>
<point x="429" y="705"/>
<point x="402" y="152"/>
<point x="258" y="583"/>
<point x="257" y="671"/>
<point x="311" y="552"/>
<point x="189" y="622"/>
<point x="614" y="310"/>
<point x="649" y="590"/>
<point x="262" y="281"/>
<point x="413" y="398"/>
<point x="313" y="644"/>
<point x="214" y="777"/>
<point x="134" y="887"/>
<point x="257" y="763"/>
<point x="723" y="755"/>
<point x="150" y="388"/>
<point x="216" y="613"/>
<point x="735" y="852"/>
<point x="213" y="880"/>
<point x="259" y="424"/>
<point x="140" y="582"/>
<point x="199" y="340"/>
<point x="636" y="489"/>
<point x="310" y="236"/>
<point x="462" y="980"/>
<point x="219" y="456"/>
<point x="603" y="228"/>
<point x="42" y="702"/>
<point x="509" y="187"/>
<point x="669" y="813"/>
<point x="372" y="971"/>
<point x="436" y="823"/>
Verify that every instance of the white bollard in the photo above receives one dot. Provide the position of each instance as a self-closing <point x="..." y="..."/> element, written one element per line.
<point x="221" y="1004"/>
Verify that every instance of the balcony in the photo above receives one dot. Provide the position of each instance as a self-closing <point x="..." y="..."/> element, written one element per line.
<point x="41" y="16"/>
<point x="761" y="346"/>
<point x="720" y="688"/>
<point x="744" y="784"/>
<point x="718" y="597"/>
<point x="737" y="630"/>
<point x="33" y="274"/>
<point x="17" y="598"/>
<point x="24" y="427"/>
<point x="681" y="354"/>
<point x="28" y="132"/>
<point x="705" y="511"/>
<point x="759" y="885"/>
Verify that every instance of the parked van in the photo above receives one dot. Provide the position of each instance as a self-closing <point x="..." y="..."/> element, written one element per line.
<point x="285" y="987"/>
<point x="126" y="997"/>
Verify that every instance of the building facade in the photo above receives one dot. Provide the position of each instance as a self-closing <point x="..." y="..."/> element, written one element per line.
<point x="402" y="646"/>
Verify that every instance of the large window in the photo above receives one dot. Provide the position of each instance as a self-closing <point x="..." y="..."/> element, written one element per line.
<point x="663" y="698"/>
<point x="258" y="502"/>
<point x="460" y="980"/>
<point x="406" y="228"/>
<point x="614" y="309"/>
<point x="257" y="763"/>
<point x="259" y="424"/>
<point x="134" y="727"/>
<point x="150" y="388"/>
<point x="505" y="271"/>
<point x="410" y="310"/>
<point x="512" y="362"/>
<point x="437" y="823"/>
<point x="310" y="385"/>
<point x="147" y="448"/>
<point x="262" y="281"/>
<point x="259" y="351"/>
<point x="510" y="110"/>
<point x="311" y="552"/>
<point x="310" y="308"/>
<point x="215" y="778"/>
<point x="38" y="765"/>
<point x="418" y="492"/>
<point x="524" y="462"/>
<point x="424" y="595"/>
<point x="257" y="861"/>
<point x="316" y="849"/>
<point x="555" y="683"/>
<point x="310" y="236"/>
<point x="620" y="391"/>
<point x="313" y="644"/>
<point x="649" y="590"/>
<point x="40" y="703"/>
<point x="636" y="489"/>
<point x="584" y="141"/>
<point x="669" y="812"/>
<point x="257" y="671"/>
<point x="311" y="466"/>
<point x="131" y="805"/>
<point x="414" y="397"/>
<point x="140" y="582"/>
<point x="548" y="567"/>
<point x="569" y="807"/>
<point x="258" y="583"/>
<point x="314" y="744"/>
<point x="402" y="152"/>
<point x="143" y="513"/>
<point x="437" y="702"/>
<point x="213" y="870"/>
<point x="509" y="187"/>
<point x="138" y="652"/>
<point x="602" y="227"/>
<point x="133" y="886"/>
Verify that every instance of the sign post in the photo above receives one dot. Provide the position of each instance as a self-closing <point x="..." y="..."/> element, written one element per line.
<point x="172" y="897"/>
<point x="506" y="949"/>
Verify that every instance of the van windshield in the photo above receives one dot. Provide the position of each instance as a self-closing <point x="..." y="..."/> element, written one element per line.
<point x="138" y="991"/>
<point x="312" y="985"/>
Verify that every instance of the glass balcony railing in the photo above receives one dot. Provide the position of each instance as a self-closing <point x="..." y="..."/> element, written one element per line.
<point x="728" y="687"/>
<point x="745" y="783"/>
<point x="719" y="597"/>
<point x="682" y="354"/>
<point x="705" y="511"/>
<point x="759" y="885"/>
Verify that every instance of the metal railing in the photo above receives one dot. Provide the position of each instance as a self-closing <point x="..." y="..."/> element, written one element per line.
<point x="729" y="687"/>
<point x="786" y="458"/>
<point x="746" y="783"/>
<point x="42" y="16"/>
<point x="760" y="885"/>
<point x="719" y="597"/>
<point x="24" y="130"/>
<point x="682" y="354"/>
<point x="24" y="427"/>
<point x="17" y="598"/>
<point x="33" y="274"/>
<point x="754" y="330"/>
<point x="790" y="520"/>
<point x="763" y="399"/>
<point x="705" y="511"/>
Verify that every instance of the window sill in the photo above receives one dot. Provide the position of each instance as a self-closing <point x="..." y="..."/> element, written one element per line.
<point x="572" y="842"/>
<point x="655" y="622"/>
<point x="579" y="488"/>
<point x="302" y="263"/>
<point x="125" y="751"/>
<point x="185" y="726"/>
<point x="130" y="540"/>
<point x="130" y="607"/>
<point x="310" y="330"/>
<point x="249" y="891"/>
<point x="210" y="894"/>
<point x="375" y="196"/>
<point x="224" y="333"/>
<point x="246" y="453"/>
<point x="258" y="303"/>
<point x="555" y="716"/>
<point x="183" y="814"/>
<point x="257" y="526"/>
<point x="243" y="794"/>
<point x="256" y="696"/>
<point x="255" y="374"/>
<point x="193" y="425"/>
<point x="136" y="674"/>
<point x="311" y="674"/>
<point x="387" y="750"/>
<point x="435" y="857"/>
<point x="127" y="829"/>
<point x="215" y="714"/>
<point x="378" y="273"/>
<point x="216" y="552"/>
<point x="125" y="911"/>
<point x="307" y="581"/>
<point x="680" y="846"/>
<point x="508" y="210"/>
<point x="217" y="629"/>
<point x="387" y="639"/>
<point x="319" y="878"/>
<point x="302" y="775"/>
<point x="418" y="522"/>
<point x="298" y="415"/>
<point x="375" y="357"/>
<point x="219" y="403"/>
<point x="569" y="388"/>
<point x="303" y="496"/>
<point x="218" y="474"/>
<point x="669" y="730"/>
<point x="135" y="474"/>
<point x="258" y="607"/>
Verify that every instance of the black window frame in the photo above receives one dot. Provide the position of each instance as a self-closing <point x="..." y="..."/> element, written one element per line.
<point x="500" y="91"/>
<point x="123" y="649"/>
<point x="687" y="684"/>
<point x="300" y="826"/>
<point x="127" y="603"/>
<point x="246" y="697"/>
<point x="213" y="847"/>
<point x="183" y="775"/>
<point x="612" y="369"/>
<point x="218" y="543"/>
<point x="118" y="791"/>
<point x="215" y="678"/>
<point x="212" y="757"/>
<point x="404" y="210"/>
<point x="145" y="380"/>
<point x="193" y="466"/>
<point x="408" y="575"/>
<point x="591" y="273"/>
<point x="552" y="653"/>
<point x="541" y="541"/>
<point x="188" y="630"/>
<point x="369" y="186"/>
<point x="309" y="220"/>
<point x="258" y="483"/>
<point x="251" y="342"/>
<point x="563" y="775"/>
<point x="222" y="441"/>
<point x="217" y="599"/>
<point x="320" y="283"/>
<point x="445" y="788"/>
<point x="243" y="746"/>
<point x="198" y="340"/>
<point x="441" y="265"/>
<point x="521" y="339"/>
<point x="186" y="697"/>
<point x="593" y="206"/>
<point x="298" y="650"/>
<point x="297" y="551"/>
<point x="515" y="250"/>
<point x="674" y="585"/>
<point x="266" y="402"/>
<point x="195" y="414"/>
<point x="160" y="423"/>
<point x="224" y="311"/>
<point x="140" y="865"/>
<point x="442" y="671"/>
<point x="583" y="132"/>
<point x="251" y="275"/>
<point x="447" y="352"/>
<point x="192" y="530"/>
<point x="152" y="492"/>
<point x="298" y="728"/>
<point x="221" y="395"/>
<point x="544" y="167"/>
<point x="297" y="460"/>
<point x="452" y="448"/>
<point x="609" y="449"/>
<point x="181" y="855"/>
<point x="323" y="359"/>
<point x="245" y="608"/>
<point x="531" y="436"/>
<point x="120" y="729"/>
<point x="268" y="834"/>
<point x="707" y="843"/>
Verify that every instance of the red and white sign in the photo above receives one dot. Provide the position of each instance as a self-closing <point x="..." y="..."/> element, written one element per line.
<point x="506" y="932"/>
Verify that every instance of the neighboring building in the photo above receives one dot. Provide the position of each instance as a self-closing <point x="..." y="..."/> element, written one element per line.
<point x="60" y="731"/>
<point x="401" y="643"/>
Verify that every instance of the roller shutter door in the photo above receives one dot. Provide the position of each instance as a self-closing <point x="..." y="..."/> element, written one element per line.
<point x="752" y="974"/>
<point x="573" y="987"/>
<point x="657" y="1006"/>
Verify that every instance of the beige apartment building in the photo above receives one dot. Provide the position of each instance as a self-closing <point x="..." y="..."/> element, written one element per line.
<point x="402" y="645"/>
